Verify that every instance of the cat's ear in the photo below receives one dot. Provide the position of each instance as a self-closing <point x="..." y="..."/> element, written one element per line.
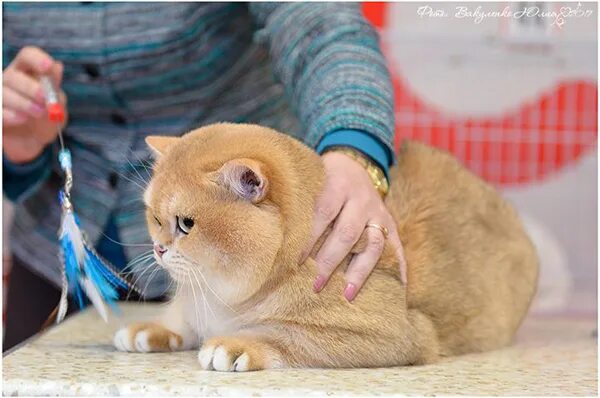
<point x="244" y="177"/>
<point x="160" y="144"/>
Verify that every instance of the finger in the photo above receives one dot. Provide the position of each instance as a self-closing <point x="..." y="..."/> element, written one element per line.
<point x="56" y="73"/>
<point x="346" y="232"/>
<point x="399" y="252"/>
<point x="363" y="263"/>
<point x="62" y="98"/>
<point x="327" y="208"/>
<point x="34" y="60"/>
<point x="12" y="118"/>
<point x="24" y="85"/>
<point x="17" y="102"/>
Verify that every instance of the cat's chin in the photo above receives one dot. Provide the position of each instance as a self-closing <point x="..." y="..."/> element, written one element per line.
<point x="179" y="278"/>
<point x="177" y="274"/>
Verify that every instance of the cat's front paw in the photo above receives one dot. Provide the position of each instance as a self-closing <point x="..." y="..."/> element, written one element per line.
<point x="237" y="354"/>
<point x="147" y="337"/>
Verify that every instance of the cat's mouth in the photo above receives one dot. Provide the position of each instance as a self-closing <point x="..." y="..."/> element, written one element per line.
<point x="175" y="264"/>
<point x="159" y="250"/>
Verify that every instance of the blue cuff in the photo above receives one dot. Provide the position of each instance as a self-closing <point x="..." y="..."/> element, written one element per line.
<point x="19" y="179"/>
<point x="361" y="141"/>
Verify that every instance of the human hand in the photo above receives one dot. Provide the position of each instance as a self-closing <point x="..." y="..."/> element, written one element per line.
<point x="350" y="199"/>
<point x="27" y="129"/>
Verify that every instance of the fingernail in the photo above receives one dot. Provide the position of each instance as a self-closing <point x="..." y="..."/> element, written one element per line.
<point x="350" y="291"/>
<point x="318" y="284"/>
<point x="36" y="109"/>
<point x="45" y="65"/>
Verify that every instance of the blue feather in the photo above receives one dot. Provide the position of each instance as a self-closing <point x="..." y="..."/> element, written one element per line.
<point x="72" y="270"/>
<point x="112" y="278"/>
<point x="93" y="268"/>
<point x="95" y="272"/>
<point x="105" y="281"/>
<point x="85" y="273"/>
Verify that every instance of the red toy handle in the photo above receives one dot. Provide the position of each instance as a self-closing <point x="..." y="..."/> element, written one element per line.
<point x="56" y="112"/>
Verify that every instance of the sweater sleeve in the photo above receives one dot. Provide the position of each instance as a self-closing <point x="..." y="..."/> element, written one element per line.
<point x="361" y="141"/>
<point x="21" y="180"/>
<point x="327" y="57"/>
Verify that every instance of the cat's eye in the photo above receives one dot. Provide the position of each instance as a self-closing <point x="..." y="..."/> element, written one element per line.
<point x="157" y="221"/>
<point x="185" y="224"/>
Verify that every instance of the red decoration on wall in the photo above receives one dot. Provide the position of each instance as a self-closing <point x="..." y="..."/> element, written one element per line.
<point x="525" y="144"/>
<point x="375" y="12"/>
<point x="521" y="145"/>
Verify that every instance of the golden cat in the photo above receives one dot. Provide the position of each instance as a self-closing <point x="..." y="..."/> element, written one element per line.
<point x="230" y="208"/>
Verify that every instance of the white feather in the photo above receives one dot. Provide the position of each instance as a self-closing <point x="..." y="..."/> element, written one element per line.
<point x="63" y="305"/>
<point x="71" y="230"/>
<point x="94" y="297"/>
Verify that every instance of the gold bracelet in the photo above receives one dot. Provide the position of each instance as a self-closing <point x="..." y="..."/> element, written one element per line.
<point x="375" y="173"/>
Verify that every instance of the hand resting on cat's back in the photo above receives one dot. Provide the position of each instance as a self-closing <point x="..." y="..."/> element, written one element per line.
<point x="230" y="207"/>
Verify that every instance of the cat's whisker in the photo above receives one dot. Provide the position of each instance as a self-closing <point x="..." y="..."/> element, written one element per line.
<point x="145" y="166"/>
<point x="135" y="262"/>
<point x="207" y="304"/>
<point x="147" y="266"/>
<point x="136" y="280"/>
<point x="195" y="303"/>
<point x="169" y="293"/>
<point x="136" y="273"/>
<point x="203" y="305"/>
<point x="177" y="267"/>
<point x="145" y="182"/>
<point x="143" y="188"/>
<point x="152" y="274"/>
<point x="143" y="161"/>
<point x="127" y="244"/>
<point x="215" y="293"/>
<point x="140" y="264"/>
<point x="134" y="283"/>
<point x="139" y="259"/>
<point x="143" y="254"/>
<point x="168" y="288"/>
<point x="137" y="158"/>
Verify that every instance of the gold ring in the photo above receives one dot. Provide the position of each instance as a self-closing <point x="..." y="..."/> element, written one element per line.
<point x="383" y="229"/>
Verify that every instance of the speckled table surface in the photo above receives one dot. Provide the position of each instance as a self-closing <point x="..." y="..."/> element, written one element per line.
<point x="552" y="356"/>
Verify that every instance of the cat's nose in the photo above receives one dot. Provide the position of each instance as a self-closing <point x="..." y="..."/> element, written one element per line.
<point x="159" y="250"/>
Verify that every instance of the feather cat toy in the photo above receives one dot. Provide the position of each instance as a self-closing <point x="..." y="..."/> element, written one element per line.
<point x="84" y="272"/>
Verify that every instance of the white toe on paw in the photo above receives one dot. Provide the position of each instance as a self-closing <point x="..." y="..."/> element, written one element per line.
<point x="241" y="364"/>
<point x="147" y="337"/>
<point x="141" y="342"/>
<point x="222" y="360"/>
<point x="122" y="341"/>
<point x="173" y="343"/>
<point x="205" y="357"/>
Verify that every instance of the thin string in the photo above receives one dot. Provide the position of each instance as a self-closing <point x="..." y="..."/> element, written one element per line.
<point x="60" y="139"/>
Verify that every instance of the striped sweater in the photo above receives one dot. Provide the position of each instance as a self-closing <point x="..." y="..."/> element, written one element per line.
<point x="313" y="70"/>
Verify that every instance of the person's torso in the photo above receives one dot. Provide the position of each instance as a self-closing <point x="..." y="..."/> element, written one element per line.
<point x="132" y="70"/>
<point x="135" y="67"/>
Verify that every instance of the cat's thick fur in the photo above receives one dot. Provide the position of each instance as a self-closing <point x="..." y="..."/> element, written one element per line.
<point x="244" y="298"/>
